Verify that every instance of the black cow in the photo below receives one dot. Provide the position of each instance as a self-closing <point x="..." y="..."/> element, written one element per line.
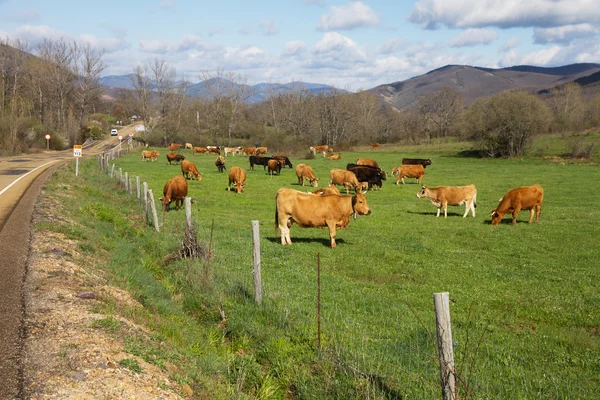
<point x="366" y="173"/>
<point x="415" y="161"/>
<point x="283" y="159"/>
<point x="258" y="160"/>
<point x="175" y="157"/>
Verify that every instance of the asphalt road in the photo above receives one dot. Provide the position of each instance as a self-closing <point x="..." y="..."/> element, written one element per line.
<point x="21" y="180"/>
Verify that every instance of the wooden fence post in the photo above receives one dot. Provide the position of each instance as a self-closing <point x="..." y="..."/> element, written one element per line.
<point x="137" y="186"/>
<point x="445" y="350"/>
<point x="146" y="199"/>
<point x="188" y="213"/>
<point x="256" y="262"/>
<point x="112" y="170"/>
<point x="130" y="186"/>
<point x="127" y="181"/>
<point x="120" y="176"/>
<point x="153" y="209"/>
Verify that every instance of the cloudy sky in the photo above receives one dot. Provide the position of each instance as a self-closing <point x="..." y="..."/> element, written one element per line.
<point x="352" y="45"/>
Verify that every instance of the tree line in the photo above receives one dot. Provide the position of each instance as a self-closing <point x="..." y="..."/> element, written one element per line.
<point x="53" y="88"/>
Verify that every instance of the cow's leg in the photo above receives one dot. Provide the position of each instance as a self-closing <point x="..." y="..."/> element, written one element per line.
<point x="445" y="205"/>
<point x="538" y="212"/>
<point x="515" y="214"/>
<point x="331" y="226"/>
<point x="467" y="207"/>
<point x="439" y="209"/>
<point x="531" y="214"/>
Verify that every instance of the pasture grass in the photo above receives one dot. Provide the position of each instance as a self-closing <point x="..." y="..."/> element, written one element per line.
<point x="525" y="308"/>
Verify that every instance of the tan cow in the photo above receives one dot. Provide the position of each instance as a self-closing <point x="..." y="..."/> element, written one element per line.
<point x="318" y="149"/>
<point x="189" y="146"/>
<point x="261" y="150"/>
<point x="237" y="176"/>
<point x="274" y="166"/>
<point x="175" y="190"/>
<point x="308" y="210"/>
<point x="515" y="200"/>
<point x="303" y="172"/>
<point x="189" y="168"/>
<point x="200" y="150"/>
<point x="249" y="151"/>
<point x="327" y="190"/>
<point x="174" y="147"/>
<point x="150" y="155"/>
<point x="367" y="161"/>
<point x="442" y="196"/>
<point x="230" y="150"/>
<point x="335" y="156"/>
<point x="408" y="171"/>
<point x="344" y="178"/>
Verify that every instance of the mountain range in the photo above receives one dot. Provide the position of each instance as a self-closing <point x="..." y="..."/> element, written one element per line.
<point x="472" y="81"/>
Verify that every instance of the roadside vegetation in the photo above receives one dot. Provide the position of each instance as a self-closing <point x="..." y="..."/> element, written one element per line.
<point x="524" y="298"/>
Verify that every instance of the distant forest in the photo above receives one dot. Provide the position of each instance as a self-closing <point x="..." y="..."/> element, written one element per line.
<point x="54" y="89"/>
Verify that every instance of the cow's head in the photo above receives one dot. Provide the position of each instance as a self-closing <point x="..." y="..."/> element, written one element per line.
<point x="496" y="217"/>
<point x="359" y="205"/>
<point x="422" y="192"/>
<point x="314" y="182"/>
<point x="239" y="187"/>
<point x="288" y="163"/>
<point x="166" y="203"/>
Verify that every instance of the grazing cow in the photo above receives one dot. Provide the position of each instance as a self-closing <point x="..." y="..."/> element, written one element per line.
<point x="515" y="200"/>
<point x="409" y="171"/>
<point x="237" y="176"/>
<point x="443" y="196"/>
<point x="173" y="147"/>
<point x="317" y="149"/>
<point x="374" y="145"/>
<point x="230" y="150"/>
<point x="417" y="161"/>
<point x="304" y="171"/>
<point x="335" y="156"/>
<point x="367" y="161"/>
<point x="150" y="155"/>
<point x="257" y="160"/>
<point x="307" y="210"/>
<point x="175" y="190"/>
<point x="213" y="149"/>
<point x="200" y="150"/>
<point x="274" y="167"/>
<point x="189" y="168"/>
<point x="220" y="163"/>
<point x="283" y="159"/>
<point x="344" y="178"/>
<point x="326" y="190"/>
<point x="175" y="157"/>
<point x="372" y="176"/>
<point x="261" y="150"/>
<point x="189" y="146"/>
<point x="249" y="151"/>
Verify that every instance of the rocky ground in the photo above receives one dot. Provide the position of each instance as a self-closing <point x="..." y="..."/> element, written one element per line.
<point x="68" y="354"/>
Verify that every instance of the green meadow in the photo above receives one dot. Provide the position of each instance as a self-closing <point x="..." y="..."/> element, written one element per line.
<point x="525" y="307"/>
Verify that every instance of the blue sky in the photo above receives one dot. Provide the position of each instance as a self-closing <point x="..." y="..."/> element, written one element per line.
<point x="348" y="44"/>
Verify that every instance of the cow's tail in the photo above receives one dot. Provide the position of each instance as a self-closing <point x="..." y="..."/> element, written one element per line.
<point x="276" y="217"/>
<point x="475" y="200"/>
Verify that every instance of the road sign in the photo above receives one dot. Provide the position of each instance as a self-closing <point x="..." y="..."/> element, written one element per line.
<point x="47" y="137"/>
<point x="77" y="150"/>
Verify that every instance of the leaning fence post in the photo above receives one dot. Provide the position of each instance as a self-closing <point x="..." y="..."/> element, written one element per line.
<point x="256" y="262"/>
<point x="188" y="213"/>
<point x="153" y="209"/>
<point x="445" y="350"/>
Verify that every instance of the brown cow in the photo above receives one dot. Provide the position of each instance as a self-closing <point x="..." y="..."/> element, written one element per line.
<point x="220" y="163"/>
<point x="515" y="200"/>
<point x="317" y="149"/>
<point x="442" y="196"/>
<point x="304" y="171"/>
<point x="409" y="171"/>
<point x="174" y="147"/>
<point x="200" y="150"/>
<point x="327" y="190"/>
<point x="150" y="154"/>
<point x="189" y="168"/>
<point x="213" y="149"/>
<point x="367" y="161"/>
<point x="374" y="145"/>
<point x="308" y="210"/>
<point x="344" y="178"/>
<point x="274" y="167"/>
<point x="335" y="156"/>
<point x="249" y="151"/>
<point x="237" y="176"/>
<point x="175" y="190"/>
<point x="261" y="150"/>
<point x="175" y="157"/>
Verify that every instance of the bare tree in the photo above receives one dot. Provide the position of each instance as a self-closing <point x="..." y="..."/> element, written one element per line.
<point x="567" y="106"/>
<point x="334" y="115"/>
<point x="87" y="67"/>
<point x="142" y="87"/>
<point x="440" y="111"/>
<point x="295" y="112"/>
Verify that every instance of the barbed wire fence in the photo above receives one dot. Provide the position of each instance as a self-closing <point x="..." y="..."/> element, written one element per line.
<point x="389" y="348"/>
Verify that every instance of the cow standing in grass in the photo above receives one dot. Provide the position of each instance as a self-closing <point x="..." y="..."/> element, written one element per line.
<point x="522" y="198"/>
<point x="175" y="190"/>
<point x="443" y="196"/>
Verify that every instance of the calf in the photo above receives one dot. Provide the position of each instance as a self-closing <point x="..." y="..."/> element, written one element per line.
<point x="335" y="156"/>
<point x="189" y="168"/>
<point x="372" y="176"/>
<point x="442" y="196"/>
<point x="261" y="150"/>
<point x="303" y="172"/>
<point x="249" y="151"/>
<point x="317" y="149"/>
<point x="274" y="167"/>
<point x="417" y="161"/>
<point x="200" y="150"/>
<point x="237" y="176"/>
<point x="175" y="190"/>
<point x="283" y="159"/>
<point x="409" y="171"/>
<point x="150" y="155"/>
<point x="220" y="163"/>
<point x="175" y="157"/>
<point x="213" y="149"/>
<point x="344" y="178"/>
<point x="515" y="200"/>
<point x="307" y="210"/>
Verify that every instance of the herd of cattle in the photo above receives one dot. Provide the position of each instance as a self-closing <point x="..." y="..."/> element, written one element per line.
<point x="327" y="207"/>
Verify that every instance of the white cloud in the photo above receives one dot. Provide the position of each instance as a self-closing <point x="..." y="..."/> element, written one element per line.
<point x="474" y="37"/>
<point x="337" y="51"/>
<point x="293" y="48"/>
<point x="547" y="56"/>
<point x="354" y="15"/>
<point x="563" y="34"/>
<point x="34" y="34"/>
<point x="187" y="43"/>
<point x="392" y="46"/>
<point x="511" y="43"/>
<point x="154" y="46"/>
<point x="510" y="58"/>
<point x="244" y="58"/>
<point x="433" y="14"/>
<point x="109" y="45"/>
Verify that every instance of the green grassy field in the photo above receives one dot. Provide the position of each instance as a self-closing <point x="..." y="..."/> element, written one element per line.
<point x="525" y="311"/>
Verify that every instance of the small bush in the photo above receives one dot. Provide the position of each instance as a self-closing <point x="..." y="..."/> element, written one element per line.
<point x="581" y="150"/>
